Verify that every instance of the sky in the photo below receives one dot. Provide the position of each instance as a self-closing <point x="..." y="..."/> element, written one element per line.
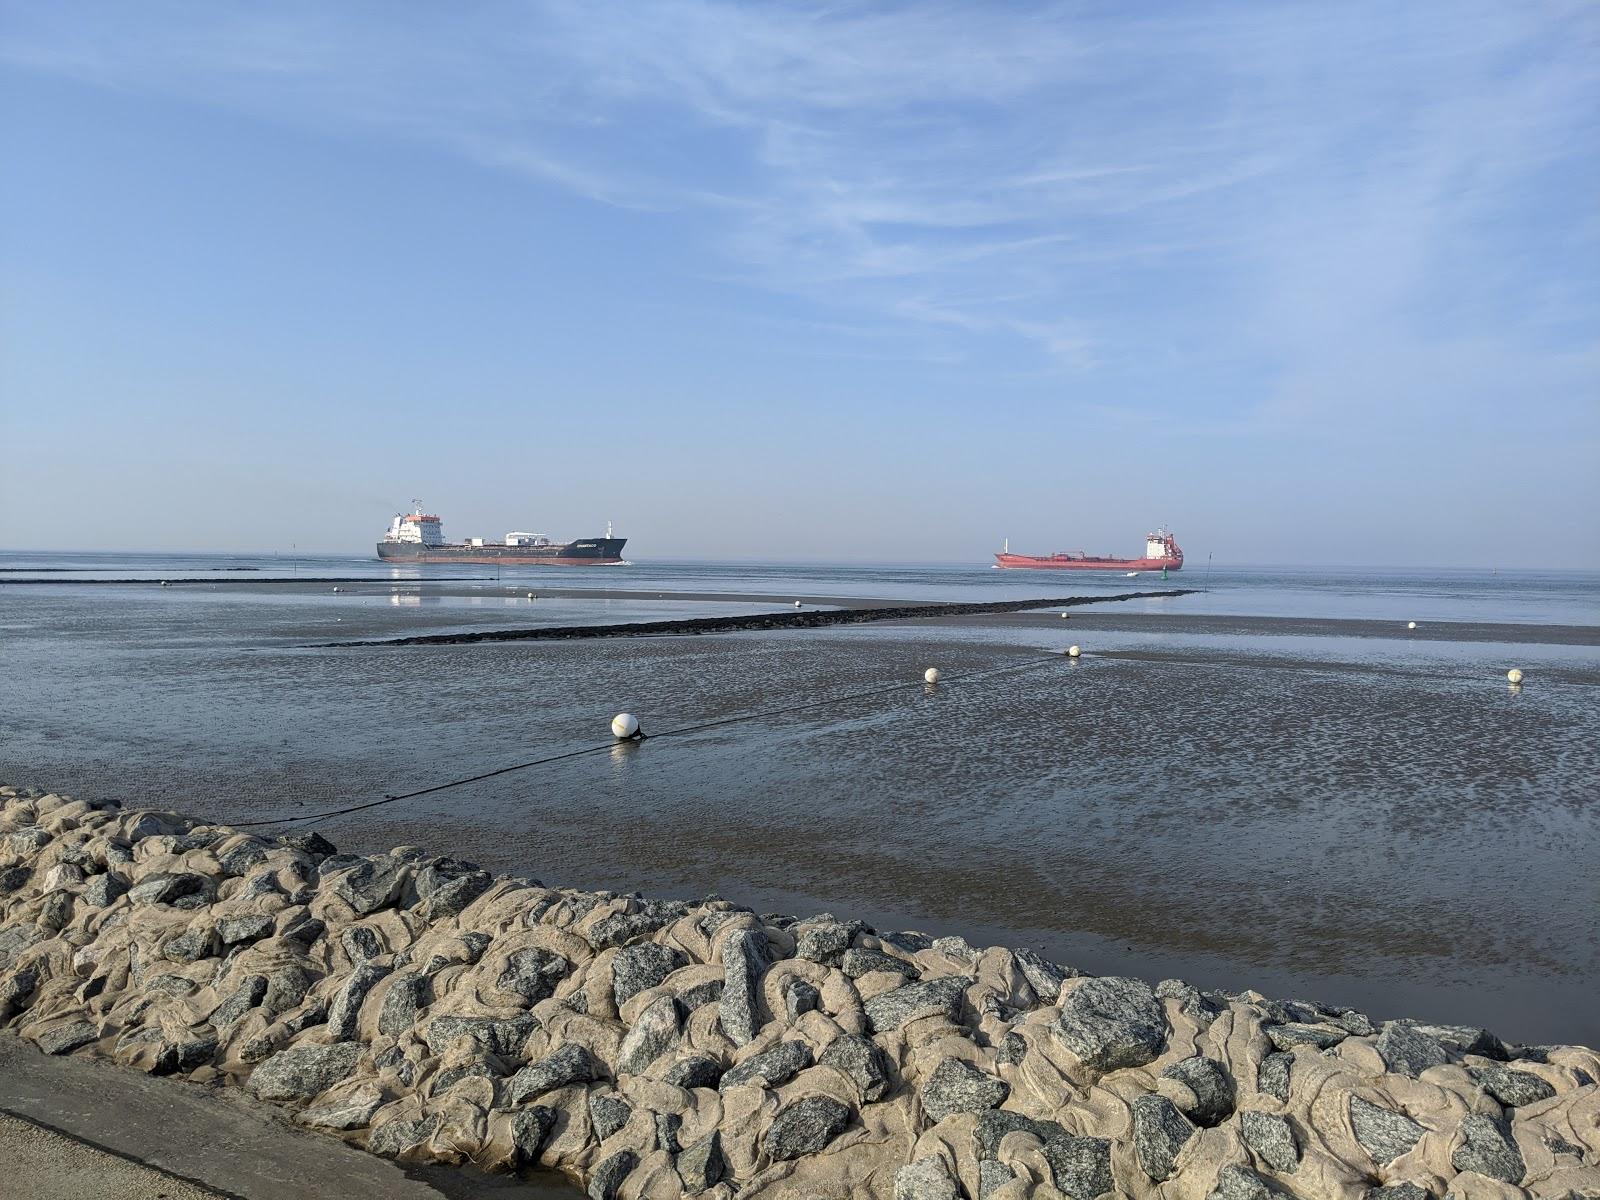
<point x="1308" y="282"/>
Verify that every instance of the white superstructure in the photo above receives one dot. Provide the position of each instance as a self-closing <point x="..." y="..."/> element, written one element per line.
<point x="417" y="528"/>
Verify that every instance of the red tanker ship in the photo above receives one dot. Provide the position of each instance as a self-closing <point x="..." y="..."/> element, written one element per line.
<point x="1161" y="553"/>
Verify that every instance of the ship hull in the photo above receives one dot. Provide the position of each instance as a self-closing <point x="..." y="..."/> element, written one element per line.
<point x="1063" y="562"/>
<point x="589" y="552"/>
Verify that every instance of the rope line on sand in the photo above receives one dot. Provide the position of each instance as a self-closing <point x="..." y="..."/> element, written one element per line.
<point x="682" y="730"/>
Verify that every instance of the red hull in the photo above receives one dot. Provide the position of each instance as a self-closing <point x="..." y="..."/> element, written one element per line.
<point x="1062" y="562"/>
<point x="507" y="559"/>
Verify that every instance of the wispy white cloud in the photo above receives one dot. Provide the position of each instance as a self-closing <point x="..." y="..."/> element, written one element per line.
<point x="1338" y="195"/>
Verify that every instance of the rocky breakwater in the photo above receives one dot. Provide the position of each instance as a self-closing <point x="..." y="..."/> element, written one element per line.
<point x="426" y="1010"/>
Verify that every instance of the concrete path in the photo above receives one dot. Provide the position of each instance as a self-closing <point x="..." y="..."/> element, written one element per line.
<point x="130" y="1134"/>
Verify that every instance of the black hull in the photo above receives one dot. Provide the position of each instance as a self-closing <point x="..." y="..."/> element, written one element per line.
<point x="587" y="552"/>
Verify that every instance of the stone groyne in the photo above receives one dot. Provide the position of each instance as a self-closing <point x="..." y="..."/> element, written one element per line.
<point x="426" y="1010"/>
<point x="814" y="619"/>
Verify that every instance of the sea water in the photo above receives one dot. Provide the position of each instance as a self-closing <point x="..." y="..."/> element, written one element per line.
<point x="1274" y="783"/>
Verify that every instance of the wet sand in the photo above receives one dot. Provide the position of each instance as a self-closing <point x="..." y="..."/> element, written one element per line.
<point x="1343" y="810"/>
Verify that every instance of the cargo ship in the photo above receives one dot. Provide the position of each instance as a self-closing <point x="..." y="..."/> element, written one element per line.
<point x="418" y="537"/>
<point x="1161" y="553"/>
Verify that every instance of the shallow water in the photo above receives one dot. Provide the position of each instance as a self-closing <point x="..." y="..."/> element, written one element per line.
<point x="1341" y="809"/>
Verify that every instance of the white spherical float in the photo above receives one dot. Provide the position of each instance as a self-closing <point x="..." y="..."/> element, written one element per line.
<point x="624" y="726"/>
<point x="1411" y="624"/>
<point x="931" y="675"/>
<point x="797" y="604"/>
<point x="1515" y="676"/>
<point x="1073" y="652"/>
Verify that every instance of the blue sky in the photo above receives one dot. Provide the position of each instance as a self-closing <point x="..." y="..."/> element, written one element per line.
<point x="1309" y="282"/>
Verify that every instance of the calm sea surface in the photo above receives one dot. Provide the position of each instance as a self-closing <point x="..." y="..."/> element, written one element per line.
<point x="1272" y="784"/>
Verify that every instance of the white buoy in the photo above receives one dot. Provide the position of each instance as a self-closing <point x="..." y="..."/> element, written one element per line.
<point x="1411" y="624"/>
<point x="931" y="675"/>
<point x="1073" y="652"/>
<point x="1514" y="675"/>
<point x="164" y="583"/>
<point x="624" y="726"/>
<point x="531" y="596"/>
<point x="336" y="589"/>
<point x="797" y="604"/>
<point x="1063" y="616"/>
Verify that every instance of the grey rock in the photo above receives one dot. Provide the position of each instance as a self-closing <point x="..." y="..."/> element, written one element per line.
<point x="1384" y="1134"/>
<point x="700" y="994"/>
<point x="1467" y="1039"/>
<point x="805" y="1127"/>
<point x="394" y="1138"/>
<point x="641" y="967"/>
<point x="1488" y="1148"/>
<point x="300" y="928"/>
<point x="15" y="989"/>
<point x="609" y="1113"/>
<point x="1043" y="976"/>
<point x="344" y="1012"/>
<point x="618" y="929"/>
<point x="1209" y="1083"/>
<point x="501" y="1036"/>
<point x="858" y="962"/>
<point x="994" y="1125"/>
<point x="1397" y="1191"/>
<point x="286" y="988"/>
<point x="825" y="942"/>
<point x="607" y="1178"/>
<point x="702" y="1166"/>
<point x="992" y="1176"/>
<point x="1239" y="1183"/>
<point x="193" y="944"/>
<point x="1272" y="1077"/>
<point x="1013" y="1049"/>
<point x="1160" y="1131"/>
<point x="532" y="974"/>
<point x="931" y="997"/>
<point x="1357" y="1023"/>
<point x="360" y="943"/>
<point x="668" y="1126"/>
<point x="1111" y="1023"/>
<point x="251" y="992"/>
<point x="236" y="930"/>
<point x="104" y="890"/>
<point x="242" y="858"/>
<point x="654" y="1032"/>
<point x="908" y="940"/>
<point x="860" y="1061"/>
<point x="769" y="1068"/>
<point x="374" y="884"/>
<point x="1407" y="1051"/>
<point x="1271" y="1139"/>
<point x="530" y="1127"/>
<point x="350" y="1112"/>
<point x="475" y="943"/>
<point x="798" y="998"/>
<point x="926" y="1179"/>
<point x="14" y="878"/>
<point x="314" y="844"/>
<point x="956" y="947"/>
<point x="303" y="1071"/>
<point x="1322" y="1037"/>
<point x="403" y="1003"/>
<point x="572" y="1063"/>
<point x="63" y="1039"/>
<point x="167" y="886"/>
<point x="744" y="958"/>
<point x="957" y="1086"/>
<point x="1511" y="1088"/>
<point x="1080" y="1166"/>
<point x="696" y="1071"/>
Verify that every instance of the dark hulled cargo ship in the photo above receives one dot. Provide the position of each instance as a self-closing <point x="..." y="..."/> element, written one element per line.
<point x="418" y="537"/>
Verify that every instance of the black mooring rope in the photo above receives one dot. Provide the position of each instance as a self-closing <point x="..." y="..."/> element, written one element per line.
<point x="701" y="727"/>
